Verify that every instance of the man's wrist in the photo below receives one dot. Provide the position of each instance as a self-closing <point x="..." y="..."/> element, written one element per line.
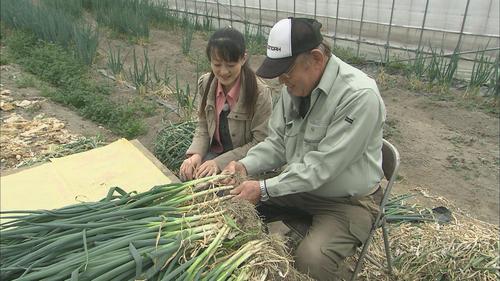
<point x="264" y="195"/>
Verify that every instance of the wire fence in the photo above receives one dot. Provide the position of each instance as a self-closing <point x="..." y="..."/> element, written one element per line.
<point x="380" y="30"/>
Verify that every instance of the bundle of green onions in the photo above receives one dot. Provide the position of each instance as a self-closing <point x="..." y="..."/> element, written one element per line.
<point x="180" y="231"/>
<point x="172" y="142"/>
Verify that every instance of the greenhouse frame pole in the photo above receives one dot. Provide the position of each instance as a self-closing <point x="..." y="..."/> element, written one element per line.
<point x="185" y="8"/>
<point x="196" y="13"/>
<point x="360" y="27"/>
<point x="231" y="12"/>
<point x="315" y="7"/>
<point x="387" y="45"/>
<point x="245" y="11"/>
<point x="260" y="14"/>
<point x="336" y="24"/>
<point x="294" y="2"/>
<point x="457" y="48"/>
<point x="206" y="8"/>
<point x="423" y="26"/>
<point x="218" y="12"/>
<point x="276" y="17"/>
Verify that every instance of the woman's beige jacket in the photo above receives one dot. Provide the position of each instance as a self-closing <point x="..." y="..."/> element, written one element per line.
<point x="246" y="129"/>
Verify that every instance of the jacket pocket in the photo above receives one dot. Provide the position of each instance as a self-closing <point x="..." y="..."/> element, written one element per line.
<point x="239" y="128"/>
<point x="314" y="133"/>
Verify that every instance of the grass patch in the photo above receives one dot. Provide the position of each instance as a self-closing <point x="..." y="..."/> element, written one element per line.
<point x="255" y="40"/>
<point x="49" y="21"/>
<point x="74" y="88"/>
<point x="26" y="81"/>
<point x="348" y="55"/>
<point x="396" y="67"/>
<point x="4" y="60"/>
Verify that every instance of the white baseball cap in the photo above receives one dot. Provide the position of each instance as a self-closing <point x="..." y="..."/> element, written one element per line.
<point x="287" y="39"/>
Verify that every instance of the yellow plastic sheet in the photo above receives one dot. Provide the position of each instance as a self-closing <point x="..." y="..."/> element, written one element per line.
<point x="85" y="176"/>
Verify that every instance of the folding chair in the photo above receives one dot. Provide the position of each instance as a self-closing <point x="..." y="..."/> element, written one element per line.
<point x="390" y="166"/>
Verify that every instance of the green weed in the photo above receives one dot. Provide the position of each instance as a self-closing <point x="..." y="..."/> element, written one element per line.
<point x="442" y="69"/>
<point x="254" y="39"/>
<point x="349" y="55"/>
<point x="133" y="17"/>
<point x="71" y="7"/>
<point x="161" y="78"/>
<point x="482" y="70"/>
<point x="396" y="67"/>
<point x="115" y="62"/>
<point x="457" y="163"/>
<point x="52" y="25"/>
<point x="417" y="66"/>
<point x="494" y="83"/>
<point x="26" y="81"/>
<point x="140" y="74"/>
<point x="86" y="41"/>
<point x="4" y="60"/>
<point x="187" y="36"/>
<point x="74" y="88"/>
<point x="186" y="102"/>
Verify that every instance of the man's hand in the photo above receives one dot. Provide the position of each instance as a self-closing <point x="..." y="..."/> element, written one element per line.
<point x="208" y="168"/>
<point x="236" y="170"/>
<point x="248" y="190"/>
<point x="189" y="166"/>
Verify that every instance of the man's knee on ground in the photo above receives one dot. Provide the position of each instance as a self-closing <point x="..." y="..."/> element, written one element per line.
<point x="309" y="258"/>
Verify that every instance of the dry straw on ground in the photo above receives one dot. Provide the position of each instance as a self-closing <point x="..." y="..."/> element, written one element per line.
<point x="465" y="249"/>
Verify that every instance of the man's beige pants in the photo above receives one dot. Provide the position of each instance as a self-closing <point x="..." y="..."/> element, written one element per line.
<point x="339" y="226"/>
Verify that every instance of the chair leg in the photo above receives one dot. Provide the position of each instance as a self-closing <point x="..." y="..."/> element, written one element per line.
<point x="359" y="263"/>
<point x="387" y="248"/>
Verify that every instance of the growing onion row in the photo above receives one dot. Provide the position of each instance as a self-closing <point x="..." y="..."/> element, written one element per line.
<point x="181" y="231"/>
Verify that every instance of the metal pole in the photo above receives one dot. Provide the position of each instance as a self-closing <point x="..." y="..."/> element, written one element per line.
<point x="315" y="5"/>
<point x="218" y="12"/>
<point x="260" y="14"/>
<point x="176" y="7"/>
<point x="245" y="10"/>
<point x="360" y="27"/>
<point x="276" y="20"/>
<point x="423" y="25"/>
<point x="389" y="33"/>
<point x="196" y="14"/>
<point x="294" y="8"/>
<point x="336" y="24"/>
<point x="206" y="8"/>
<point x="463" y="25"/>
<point x="231" y="12"/>
<point x="185" y="9"/>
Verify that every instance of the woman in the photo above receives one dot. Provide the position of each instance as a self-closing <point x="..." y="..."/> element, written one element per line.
<point x="234" y="109"/>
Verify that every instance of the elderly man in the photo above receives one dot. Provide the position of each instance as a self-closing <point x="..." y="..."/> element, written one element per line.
<point x="326" y="130"/>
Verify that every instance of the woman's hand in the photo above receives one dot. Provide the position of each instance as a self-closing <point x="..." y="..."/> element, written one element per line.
<point x="208" y="168"/>
<point x="188" y="168"/>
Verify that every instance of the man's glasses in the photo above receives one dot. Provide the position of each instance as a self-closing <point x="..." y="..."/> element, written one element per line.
<point x="288" y="73"/>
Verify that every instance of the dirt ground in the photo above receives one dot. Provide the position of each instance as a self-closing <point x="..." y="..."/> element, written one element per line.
<point x="449" y="154"/>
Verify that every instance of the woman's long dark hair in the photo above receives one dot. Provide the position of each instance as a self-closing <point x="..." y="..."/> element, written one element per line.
<point x="228" y="44"/>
